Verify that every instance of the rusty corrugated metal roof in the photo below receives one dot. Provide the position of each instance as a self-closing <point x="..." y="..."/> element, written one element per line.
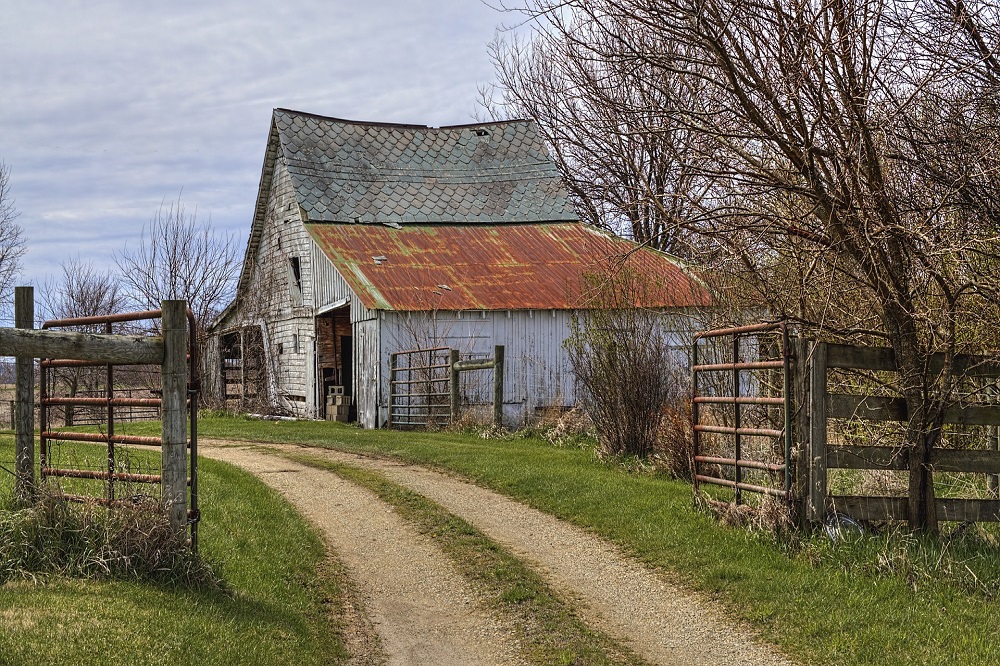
<point x="496" y="267"/>
<point x="492" y="173"/>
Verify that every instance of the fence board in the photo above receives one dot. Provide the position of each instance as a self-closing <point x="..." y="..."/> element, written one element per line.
<point x="883" y="358"/>
<point x="895" y="458"/>
<point x="867" y="457"/>
<point x="878" y="408"/>
<point x="895" y="508"/>
<point x="869" y="508"/>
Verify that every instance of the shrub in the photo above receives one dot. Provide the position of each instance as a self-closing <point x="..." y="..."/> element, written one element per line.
<point x="622" y="363"/>
<point x="674" y="449"/>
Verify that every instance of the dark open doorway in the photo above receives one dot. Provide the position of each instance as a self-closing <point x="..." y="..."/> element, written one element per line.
<point x="334" y="363"/>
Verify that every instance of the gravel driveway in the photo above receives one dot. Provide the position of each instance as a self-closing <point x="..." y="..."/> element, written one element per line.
<point x="635" y="605"/>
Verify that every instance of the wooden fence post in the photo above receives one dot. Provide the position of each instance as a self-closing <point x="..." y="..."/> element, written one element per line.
<point x="817" y="433"/>
<point x="498" y="386"/>
<point x="455" y="393"/>
<point x="174" y="384"/>
<point x="24" y="317"/>
<point x="801" y="406"/>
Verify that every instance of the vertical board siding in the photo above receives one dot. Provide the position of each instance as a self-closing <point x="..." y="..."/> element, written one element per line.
<point x="367" y="372"/>
<point x="538" y="372"/>
<point x="328" y="285"/>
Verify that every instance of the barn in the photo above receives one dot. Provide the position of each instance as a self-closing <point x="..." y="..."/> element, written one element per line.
<point x="374" y="238"/>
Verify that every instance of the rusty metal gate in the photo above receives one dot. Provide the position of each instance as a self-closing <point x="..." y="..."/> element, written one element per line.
<point x="420" y="388"/>
<point x="117" y="472"/>
<point x="738" y="399"/>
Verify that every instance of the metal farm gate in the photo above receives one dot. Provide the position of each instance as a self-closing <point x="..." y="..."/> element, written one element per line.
<point x="741" y="412"/>
<point x="420" y="388"/>
<point x="119" y="478"/>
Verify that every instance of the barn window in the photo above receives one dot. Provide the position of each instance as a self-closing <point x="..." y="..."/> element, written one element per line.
<point x="295" y="280"/>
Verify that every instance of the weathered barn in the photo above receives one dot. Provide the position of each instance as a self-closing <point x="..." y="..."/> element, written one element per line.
<point x="372" y="238"/>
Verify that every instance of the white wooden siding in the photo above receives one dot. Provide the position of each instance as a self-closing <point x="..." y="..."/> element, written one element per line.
<point x="537" y="366"/>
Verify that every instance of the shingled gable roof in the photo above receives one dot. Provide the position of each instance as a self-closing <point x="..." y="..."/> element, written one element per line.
<point x="493" y="173"/>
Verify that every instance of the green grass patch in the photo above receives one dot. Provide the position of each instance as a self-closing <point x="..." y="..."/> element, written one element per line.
<point x="549" y="630"/>
<point x="280" y="604"/>
<point x="821" y="604"/>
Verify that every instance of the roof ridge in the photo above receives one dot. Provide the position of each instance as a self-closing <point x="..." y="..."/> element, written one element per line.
<point x="371" y="123"/>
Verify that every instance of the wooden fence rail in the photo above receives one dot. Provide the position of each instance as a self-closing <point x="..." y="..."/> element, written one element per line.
<point x="168" y="351"/>
<point x="821" y="456"/>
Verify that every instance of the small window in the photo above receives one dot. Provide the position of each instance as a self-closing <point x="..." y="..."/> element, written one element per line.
<point x="295" y="280"/>
<point x="295" y="343"/>
<point x="281" y="349"/>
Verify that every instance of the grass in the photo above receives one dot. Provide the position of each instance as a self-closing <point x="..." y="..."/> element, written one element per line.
<point x="280" y="604"/>
<point x="548" y="629"/>
<point x="819" y="603"/>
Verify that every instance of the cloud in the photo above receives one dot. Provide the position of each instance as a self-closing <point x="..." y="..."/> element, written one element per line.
<point x="111" y="107"/>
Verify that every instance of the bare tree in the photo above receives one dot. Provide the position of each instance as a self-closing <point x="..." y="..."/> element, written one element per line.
<point x="852" y="151"/>
<point x="180" y="257"/>
<point x="629" y="165"/>
<point x="11" y="238"/>
<point x="81" y="291"/>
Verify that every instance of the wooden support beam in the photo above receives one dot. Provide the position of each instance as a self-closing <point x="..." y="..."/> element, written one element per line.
<point x="455" y="393"/>
<point x="498" y="361"/>
<point x="24" y="421"/>
<point x="174" y="383"/>
<point x="117" y="349"/>
<point x="816" y="504"/>
<point x="800" y="455"/>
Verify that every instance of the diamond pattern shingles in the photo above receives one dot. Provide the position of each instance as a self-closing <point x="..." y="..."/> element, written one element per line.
<point x="344" y="171"/>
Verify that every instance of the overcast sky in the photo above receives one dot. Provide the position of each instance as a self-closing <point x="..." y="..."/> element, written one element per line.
<point x="109" y="108"/>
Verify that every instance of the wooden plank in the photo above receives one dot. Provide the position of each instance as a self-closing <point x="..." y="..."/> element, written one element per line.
<point x="960" y="510"/>
<point x="24" y="418"/>
<point x="868" y="408"/>
<point x="895" y="508"/>
<point x="464" y="366"/>
<point x="896" y="458"/>
<point x="867" y="457"/>
<point x="879" y="408"/>
<point x="174" y="382"/>
<point x="118" y="349"/>
<point x="973" y="415"/>
<point x="883" y="358"/>
<point x="862" y="358"/>
<point x="965" y="460"/>
<point x="869" y="508"/>
<point x="817" y="431"/>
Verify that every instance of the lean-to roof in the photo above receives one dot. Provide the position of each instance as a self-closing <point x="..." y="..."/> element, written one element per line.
<point x="494" y="267"/>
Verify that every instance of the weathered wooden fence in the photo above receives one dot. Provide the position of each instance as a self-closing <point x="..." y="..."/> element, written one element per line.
<point x="799" y="470"/>
<point x="169" y="351"/>
<point x="824" y="455"/>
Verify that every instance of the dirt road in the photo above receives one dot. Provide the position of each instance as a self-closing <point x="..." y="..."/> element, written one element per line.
<point x="630" y="602"/>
